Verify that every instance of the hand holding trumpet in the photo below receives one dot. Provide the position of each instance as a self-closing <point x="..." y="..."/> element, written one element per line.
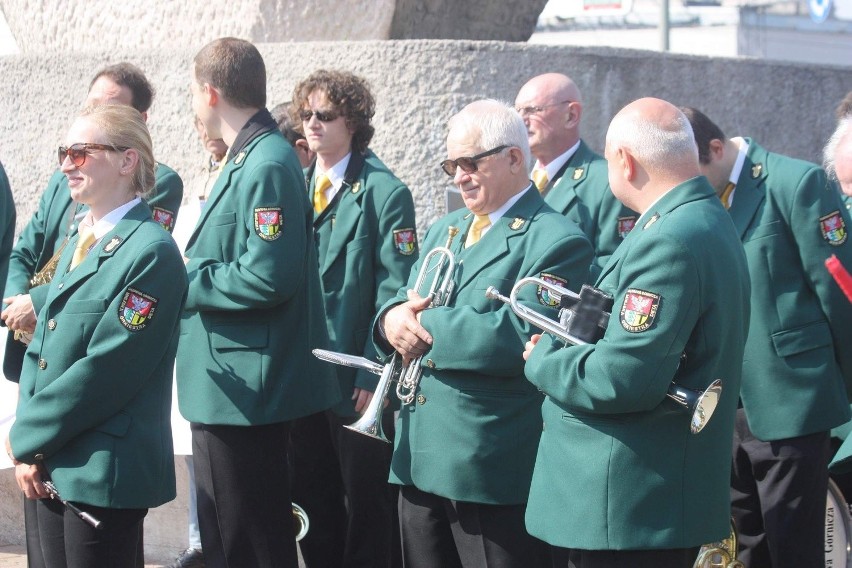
<point x="402" y="327"/>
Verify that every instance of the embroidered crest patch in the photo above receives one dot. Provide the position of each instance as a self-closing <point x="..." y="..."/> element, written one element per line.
<point x="545" y="297"/>
<point x="268" y="222"/>
<point x="833" y="228"/>
<point x="405" y="241"/>
<point x="639" y="310"/>
<point x="136" y="309"/>
<point x="165" y="218"/>
<point x="517" y="223"/>
<point x="625" y="225"/>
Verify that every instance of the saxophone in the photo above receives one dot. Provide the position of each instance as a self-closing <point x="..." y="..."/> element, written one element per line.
<point x="43" y="276"/>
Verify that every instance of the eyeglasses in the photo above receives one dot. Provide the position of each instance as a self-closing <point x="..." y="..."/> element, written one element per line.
<point x="322" y="115"/>
<point x="468" y="163"/>
<point x="528" y="110"/>
<point x="78" y="152"/>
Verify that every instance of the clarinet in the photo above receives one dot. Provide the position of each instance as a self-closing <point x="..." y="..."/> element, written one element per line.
<point x="54" y="494"/>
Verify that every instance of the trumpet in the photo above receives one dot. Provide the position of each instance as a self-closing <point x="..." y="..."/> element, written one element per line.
<point x="583" y="318"/>
<point x="300" y="522"/>
<point x="370" y="423"/>
<point x="721" y="554"/>
<point x="440" y="291"/>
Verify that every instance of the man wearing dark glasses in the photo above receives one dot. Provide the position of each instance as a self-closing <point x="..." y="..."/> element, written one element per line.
<point x="570" y="176"/>
<point x="366" y="240"/>
<point x="466" y="443"/>
<point x="55" y="220"/>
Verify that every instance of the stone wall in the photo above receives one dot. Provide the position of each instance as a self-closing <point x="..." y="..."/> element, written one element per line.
<point x="418" y="84"/>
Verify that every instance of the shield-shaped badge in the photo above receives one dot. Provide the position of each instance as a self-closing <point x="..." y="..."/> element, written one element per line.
<point x="405" y="241"/>
<point x="625" y="225"/>
<point x="136" y="309"/>
<point x="545" y="297"/>
<point x="268" y="222"/>
<point x="166" y="219"/>
<point x="833" y="228"/>
<point x="639" y="310"/>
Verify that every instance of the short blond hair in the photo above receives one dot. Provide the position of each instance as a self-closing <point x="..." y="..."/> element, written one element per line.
<point x="124" y="126"/>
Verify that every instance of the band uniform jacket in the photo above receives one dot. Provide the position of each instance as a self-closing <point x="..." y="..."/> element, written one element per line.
<point x="7" y="224"/>
<point x="617" y="466"/>
<point x="55" y="219"/>
<point x="580" y="191"/>
<point x="96" y="386"/>
<point x="797" y="356"/>
<point x="367" y="242"/>
<point x="254" y="307"/>
<point x="471" y="432"/>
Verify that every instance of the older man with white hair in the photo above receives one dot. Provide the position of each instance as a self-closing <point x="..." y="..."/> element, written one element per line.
<point x="465" y="445"/>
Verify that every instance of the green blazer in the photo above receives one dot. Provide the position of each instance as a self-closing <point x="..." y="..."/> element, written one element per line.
<point x="617" y="467"/>
<point x="797" y="355"/>
<point x="254" y="308"/>
<point x="471" y="432"/>
<point x="96" y="386"/>
<point x="7" y="224"/>
<point x="54" y="220"/>
<point x="580" y="191"/>
<point x="366" y="242"/>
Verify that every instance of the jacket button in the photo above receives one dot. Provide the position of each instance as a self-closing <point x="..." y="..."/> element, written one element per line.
<point x="42" y="364"/>
<point x="421" y="399"/>
<point x="430" y="363"/>
<point x="39" y="457"/>
<point x="51" y="324"/>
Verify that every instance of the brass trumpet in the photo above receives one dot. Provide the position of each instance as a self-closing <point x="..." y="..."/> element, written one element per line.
<point x="440" y="291"/>
<point x="700" y="404"/>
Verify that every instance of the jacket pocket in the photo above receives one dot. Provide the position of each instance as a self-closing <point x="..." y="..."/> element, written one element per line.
<point x="794" y="341"/>
<point x="223" y="219"/>
<point x="85" y="306"/>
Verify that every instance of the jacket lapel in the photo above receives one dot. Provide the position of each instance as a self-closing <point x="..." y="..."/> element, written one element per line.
<point x="495" y="244"/>
<point x="750" y="191"/>
<point x="103" y="250"/>
<point x="562" y="191"/>
<point x="346" y="212"/>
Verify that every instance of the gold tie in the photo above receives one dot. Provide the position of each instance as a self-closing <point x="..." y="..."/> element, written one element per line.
<point x="726" y="193"/>
<point x="540" y="179"/>
<point x="84" y="242"/>
<point x="320" y="200"/>
<point x="475" y="232"/>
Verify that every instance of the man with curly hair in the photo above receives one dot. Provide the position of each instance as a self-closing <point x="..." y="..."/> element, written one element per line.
<point x="367" y="243"/>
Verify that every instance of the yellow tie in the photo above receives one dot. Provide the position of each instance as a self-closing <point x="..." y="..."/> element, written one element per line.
<point x="540" y="179"/>
<point x="320" y="200"/>
<point x="84" y="242"/>
<point x="726" y="193"/>
<point x="475" y="232"/>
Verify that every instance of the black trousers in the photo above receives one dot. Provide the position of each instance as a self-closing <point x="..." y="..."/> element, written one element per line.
<point x="778" y="492"/>
<point x="342" y="476"/>
<point x="441" y="532"/>
<point x="69" y="542"/>
<point x="667" y="558"/>
<point x="243" y="489"/>
<point x="35" y="558"/>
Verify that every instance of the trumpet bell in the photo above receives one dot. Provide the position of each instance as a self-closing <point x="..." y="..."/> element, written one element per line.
<point x="370" y="425"/>
<point x="702" y="404"/>
<point x="300" y="522"/>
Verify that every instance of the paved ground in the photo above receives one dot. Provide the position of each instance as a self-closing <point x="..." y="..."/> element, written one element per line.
<point x="14" y="556"/>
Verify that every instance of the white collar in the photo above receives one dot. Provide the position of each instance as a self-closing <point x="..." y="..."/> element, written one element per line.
<point x="110" y="220"/>
<point x="556" y="164"/>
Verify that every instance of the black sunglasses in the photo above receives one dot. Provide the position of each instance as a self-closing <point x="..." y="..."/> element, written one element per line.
<point x="78" y="152"/>
<point x="468" y="163"/>
<point x="322" y="115"/>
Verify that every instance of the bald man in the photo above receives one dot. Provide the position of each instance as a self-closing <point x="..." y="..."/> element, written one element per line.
<point x="570" y="176"/>
<point x="619" y="480"/>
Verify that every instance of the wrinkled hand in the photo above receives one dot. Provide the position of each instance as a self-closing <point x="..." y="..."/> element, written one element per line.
<point x="19" y="314"/>
<point x="29" y="478"/>
<point x="403" y="330"/>
<point x="362" y="398"/>
<point x="530" y="345"/>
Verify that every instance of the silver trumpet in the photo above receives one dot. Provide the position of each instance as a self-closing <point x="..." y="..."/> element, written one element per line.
<point x="370" y="423"/>
<point x="440" y="291"/>
<point x="592" y="305"/>
<point x="300" y="521"/>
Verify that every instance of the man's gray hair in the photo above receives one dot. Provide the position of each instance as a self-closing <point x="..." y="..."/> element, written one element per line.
<point x="829" y="153"/>
<point x="497" y="123"/>
<point x="654" y="145"/>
